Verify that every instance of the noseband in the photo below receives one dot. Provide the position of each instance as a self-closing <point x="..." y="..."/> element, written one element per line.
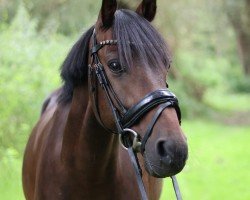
<point x="126" y="118"/>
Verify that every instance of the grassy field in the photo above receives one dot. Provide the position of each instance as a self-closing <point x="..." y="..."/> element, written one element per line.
<point x="217" y="168"/>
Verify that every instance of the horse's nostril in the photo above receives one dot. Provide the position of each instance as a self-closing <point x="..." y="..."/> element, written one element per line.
<point x="170" y="155"/>
<point x="161" y="149"/>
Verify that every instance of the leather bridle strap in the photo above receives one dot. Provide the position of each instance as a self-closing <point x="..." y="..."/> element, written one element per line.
<point x="149" y="102"/>
<point x="104" y="83"/>
<point x="152" y="123"/>
<point x="138" y="172"/>
<point x="176" y="188"/>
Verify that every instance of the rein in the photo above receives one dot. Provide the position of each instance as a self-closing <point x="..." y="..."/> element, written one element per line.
<point x="126" y="118"/>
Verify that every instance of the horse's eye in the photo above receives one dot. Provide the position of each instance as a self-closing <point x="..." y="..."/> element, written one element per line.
<point x="115" y="66"/>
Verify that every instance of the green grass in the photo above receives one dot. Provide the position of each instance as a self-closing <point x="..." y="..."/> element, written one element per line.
<point x="10" y="176"/>
<point x="218" y="164"/>
<point x="217" y="168"/>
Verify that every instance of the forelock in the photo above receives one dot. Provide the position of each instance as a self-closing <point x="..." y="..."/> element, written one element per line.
<point x="138" y="41"/>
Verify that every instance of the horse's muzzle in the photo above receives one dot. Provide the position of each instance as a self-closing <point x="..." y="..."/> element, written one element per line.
<point x="167" y="159"/>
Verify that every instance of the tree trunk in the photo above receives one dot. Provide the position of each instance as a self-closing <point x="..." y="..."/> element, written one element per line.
<point x="239" y="16"/>
<point x="244" y="50"/>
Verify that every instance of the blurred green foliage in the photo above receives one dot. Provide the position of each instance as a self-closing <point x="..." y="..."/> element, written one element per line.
<point x="29" y="71"/>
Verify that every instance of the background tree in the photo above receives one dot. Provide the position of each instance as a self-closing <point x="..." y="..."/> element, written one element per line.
<point x="239" y="15"/>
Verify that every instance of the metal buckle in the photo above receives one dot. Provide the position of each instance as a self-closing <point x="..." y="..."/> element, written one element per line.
<point x="136" y="144"/>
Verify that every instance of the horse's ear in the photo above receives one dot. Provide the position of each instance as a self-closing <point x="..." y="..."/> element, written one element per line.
<point x="147" y="9"/>
<point x="107" y="12"/>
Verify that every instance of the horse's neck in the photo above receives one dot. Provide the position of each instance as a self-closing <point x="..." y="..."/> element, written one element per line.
<point x="86" y="145"/>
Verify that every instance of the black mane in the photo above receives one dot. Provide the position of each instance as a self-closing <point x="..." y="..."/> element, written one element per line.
<point x="137" y="39"/>
<point x="75" y="67"/>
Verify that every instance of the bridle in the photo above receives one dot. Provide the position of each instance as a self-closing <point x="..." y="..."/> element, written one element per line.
<point x="126" y="118"/>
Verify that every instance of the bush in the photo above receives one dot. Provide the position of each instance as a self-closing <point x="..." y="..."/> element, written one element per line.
<point x="195" y="77"/>
<point x="241" y="84"/>
<point x="29" y="70"/>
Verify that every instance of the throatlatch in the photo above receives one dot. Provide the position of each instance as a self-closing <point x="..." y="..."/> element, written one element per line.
<point x="124" y="118"/>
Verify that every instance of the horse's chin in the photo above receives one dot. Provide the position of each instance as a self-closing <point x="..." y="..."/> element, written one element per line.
<point x="155" y="169"/>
